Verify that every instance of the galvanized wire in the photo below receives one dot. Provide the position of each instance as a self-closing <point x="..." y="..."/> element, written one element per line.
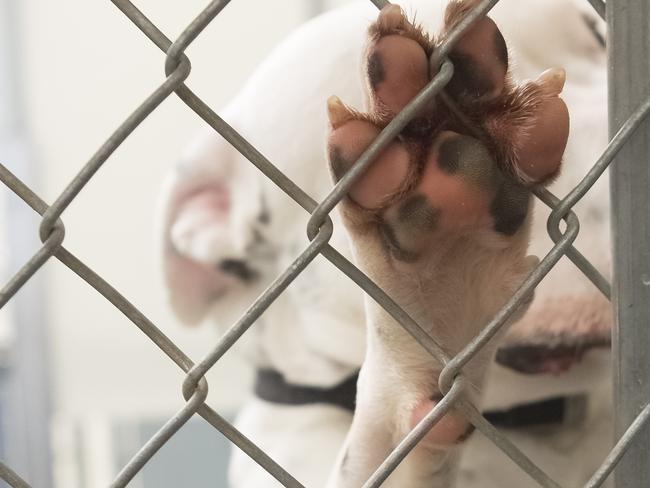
<point x="599" y="7"/>
<point x="619" y="449"/>
<point x="507" y="447"/>
<point x="319" y="231"/>
<point x="628" y="72"/>
<point x="162" y="436"/>
<point x="453" y="367"/>
<point x="151" y="331"/>
<point x="9" y="475"/>
<point x="416" y="435"/>
<point x="575" y="195"/>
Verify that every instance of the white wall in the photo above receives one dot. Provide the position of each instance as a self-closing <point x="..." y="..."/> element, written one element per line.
<point x="6" y="331"/>
<point x="86" y="68"/>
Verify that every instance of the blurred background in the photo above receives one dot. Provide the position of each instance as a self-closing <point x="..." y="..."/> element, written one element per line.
<point x="81" y="388"/>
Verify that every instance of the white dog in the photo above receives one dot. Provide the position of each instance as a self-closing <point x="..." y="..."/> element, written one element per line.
<point x="228" y="230"/>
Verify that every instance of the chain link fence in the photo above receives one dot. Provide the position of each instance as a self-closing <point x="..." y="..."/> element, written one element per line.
<point x="319" y="229"/>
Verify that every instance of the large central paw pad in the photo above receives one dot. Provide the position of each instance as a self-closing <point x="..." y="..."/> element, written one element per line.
<point x="446" y="172"/>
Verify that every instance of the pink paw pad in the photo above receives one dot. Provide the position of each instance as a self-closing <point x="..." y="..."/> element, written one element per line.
<point x="450" y="429"/>
<point x="458" y="179"/>
<point x="543" y="147"/>
<point x="398" y="69"/>
<point x="455" y="191"/>
<point x="439" y="177"/>
<point x="385" y="176"/>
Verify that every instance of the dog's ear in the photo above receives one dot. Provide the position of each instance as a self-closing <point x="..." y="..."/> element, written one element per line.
<point x="195" y="228"/>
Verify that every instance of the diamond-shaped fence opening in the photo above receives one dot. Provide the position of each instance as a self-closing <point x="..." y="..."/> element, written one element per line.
<point x="629" y="104"/>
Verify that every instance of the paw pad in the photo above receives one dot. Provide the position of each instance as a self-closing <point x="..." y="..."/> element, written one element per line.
<point x="436" y="176"/>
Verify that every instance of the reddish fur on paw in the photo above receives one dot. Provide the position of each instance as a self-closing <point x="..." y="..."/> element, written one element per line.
<point x="391" y="18"/>
<point x="457" y="10"/>
<point x="530" y="129"/>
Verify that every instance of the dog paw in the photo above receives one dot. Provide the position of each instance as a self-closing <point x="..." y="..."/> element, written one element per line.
<point x="445" y="174"/>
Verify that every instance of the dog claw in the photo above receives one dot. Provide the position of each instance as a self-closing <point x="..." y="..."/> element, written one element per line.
<point x="552" y="80"/>
<point x="337" y="112"/>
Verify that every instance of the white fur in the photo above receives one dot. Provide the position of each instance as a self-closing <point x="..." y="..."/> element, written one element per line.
<point x="315" y="333"/>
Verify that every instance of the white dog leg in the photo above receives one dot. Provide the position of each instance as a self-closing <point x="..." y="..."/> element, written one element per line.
<point x="440" y="221"/>
<point x="305" y="438"/>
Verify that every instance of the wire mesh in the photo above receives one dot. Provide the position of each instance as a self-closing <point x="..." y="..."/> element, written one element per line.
<point x="319" y="229"/>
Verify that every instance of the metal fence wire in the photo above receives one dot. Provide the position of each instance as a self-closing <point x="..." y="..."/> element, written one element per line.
<point x="319" y="229"/>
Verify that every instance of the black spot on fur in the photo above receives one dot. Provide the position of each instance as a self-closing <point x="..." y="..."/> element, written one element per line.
<point x="510" y="207"/>
<point x="376" y="73"/>
<point x="465" y="435"/>
<point x="538" y="358"/>
<point x="417" y="213"/>
<point x="258" y="238"/>
<point x="238" y="268"/>
<point x="591" y="24"/>
<point x="549" y="411"/>
<point x="265" y="215"/>
<point x="389" y="238"/>
<point x="338" y="163"/>
<point x="344" y="463"/>
<point x="471" y="80"/>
